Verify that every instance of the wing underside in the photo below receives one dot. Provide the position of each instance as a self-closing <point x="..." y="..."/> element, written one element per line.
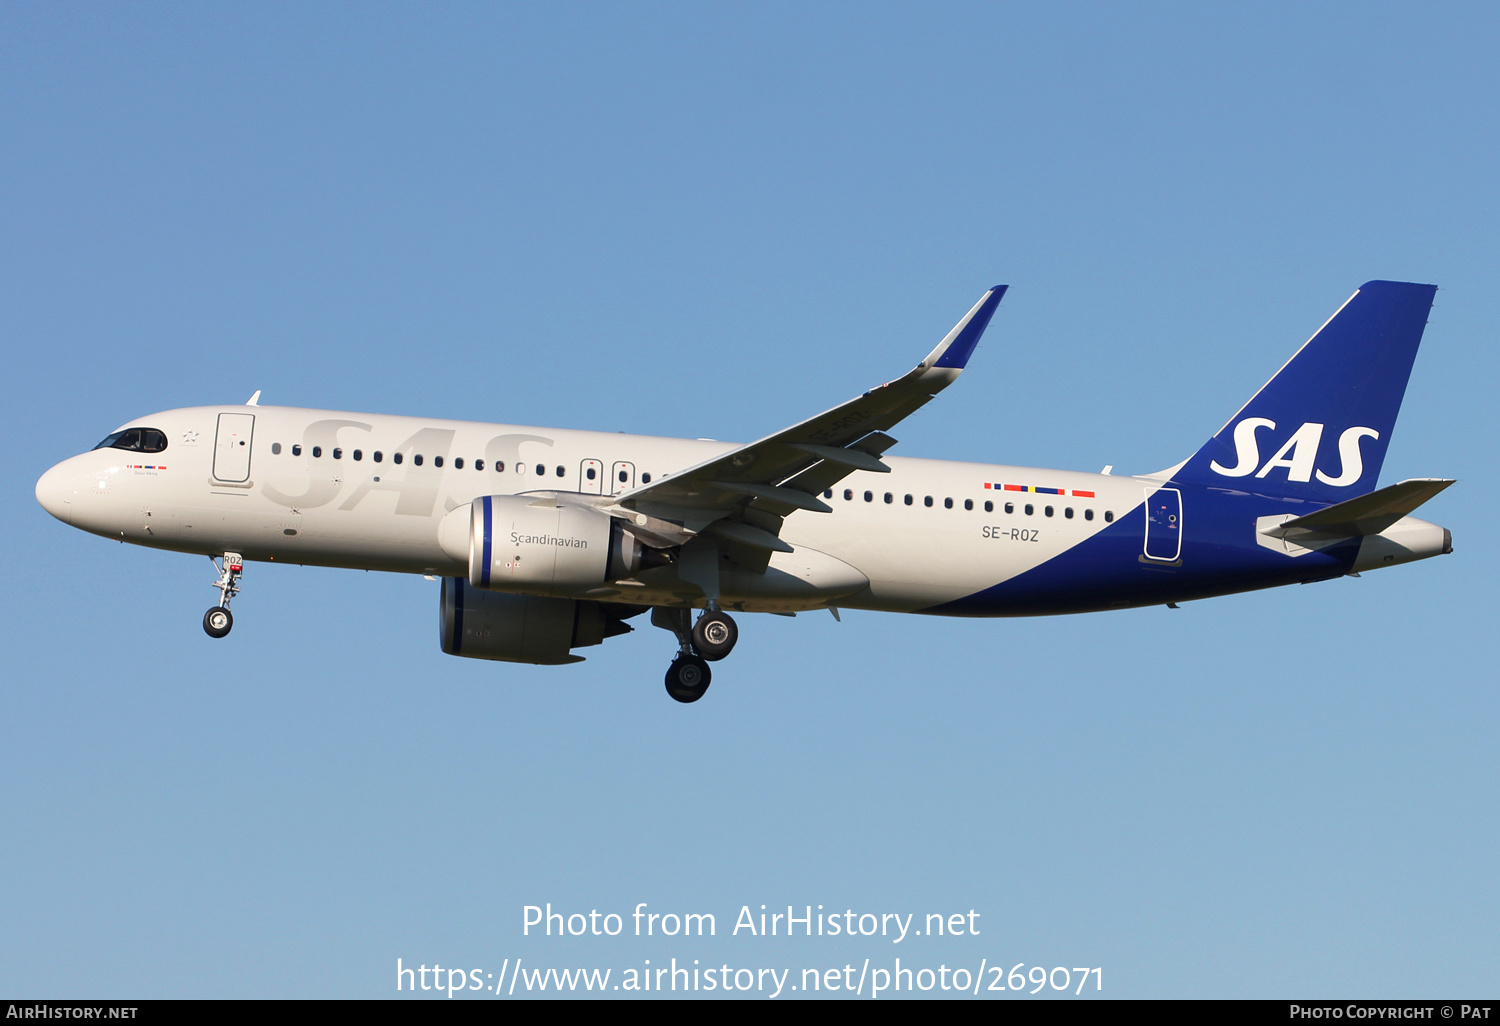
<point x="735" y="503"/>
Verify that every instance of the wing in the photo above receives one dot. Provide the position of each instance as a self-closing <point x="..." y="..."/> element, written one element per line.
<point x="742" y="496"/>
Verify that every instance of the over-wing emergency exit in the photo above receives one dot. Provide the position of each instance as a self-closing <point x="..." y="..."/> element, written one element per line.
<point x="552" y="540"/>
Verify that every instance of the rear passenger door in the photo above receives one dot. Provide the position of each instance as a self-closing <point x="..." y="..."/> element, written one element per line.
<point x="1164" y="524"/>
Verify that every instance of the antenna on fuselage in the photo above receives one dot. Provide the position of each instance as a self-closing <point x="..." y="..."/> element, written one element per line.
<point x="254" y="400"/>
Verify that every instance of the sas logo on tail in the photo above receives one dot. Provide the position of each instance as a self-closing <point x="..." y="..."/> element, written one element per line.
<point x="1297" y="454"/>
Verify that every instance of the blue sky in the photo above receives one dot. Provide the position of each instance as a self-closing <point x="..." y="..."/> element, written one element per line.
<point x="715" y="220"/>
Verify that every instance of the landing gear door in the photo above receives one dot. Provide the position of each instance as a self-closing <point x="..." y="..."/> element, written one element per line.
<point x="232" y="446"/>
<point x="591" y="478"/>
<point x="1164" y="524"/>
<point x="621" y="478"/>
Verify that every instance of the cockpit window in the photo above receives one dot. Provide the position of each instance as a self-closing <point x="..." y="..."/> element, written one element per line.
<point x="135" y="440"/>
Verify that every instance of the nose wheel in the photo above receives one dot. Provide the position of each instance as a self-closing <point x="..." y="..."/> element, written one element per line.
<point x="218" y="620"/>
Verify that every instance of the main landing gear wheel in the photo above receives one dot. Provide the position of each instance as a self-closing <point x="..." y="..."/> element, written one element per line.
<point x="714" y="635"/>
<point x="217" y="621"/>
<point x="688" y="678"/>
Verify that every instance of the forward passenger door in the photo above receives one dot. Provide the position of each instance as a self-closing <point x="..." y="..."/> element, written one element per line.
<point x="232" y="446"/>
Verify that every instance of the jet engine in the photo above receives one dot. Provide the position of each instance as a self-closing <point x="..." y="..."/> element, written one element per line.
<point x="537" y="545"/>
<point x="523" y="628"/>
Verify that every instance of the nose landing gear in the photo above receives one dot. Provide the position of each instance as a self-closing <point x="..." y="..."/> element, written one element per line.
<point x="710" y="639"/>
<point x="218" y="620"/>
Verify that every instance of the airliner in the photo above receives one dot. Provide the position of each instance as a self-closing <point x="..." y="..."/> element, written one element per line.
<point x="548" y="540"/>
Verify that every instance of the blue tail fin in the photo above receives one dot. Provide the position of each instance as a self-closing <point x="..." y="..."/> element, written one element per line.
<point x="1319" y="429"/>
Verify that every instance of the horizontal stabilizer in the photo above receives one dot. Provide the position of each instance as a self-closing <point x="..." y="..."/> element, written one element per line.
<point x="1368" y="514"/>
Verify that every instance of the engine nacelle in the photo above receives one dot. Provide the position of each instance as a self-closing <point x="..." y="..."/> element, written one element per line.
<point x="522" y="628"/>
<point x="542" y="547"/>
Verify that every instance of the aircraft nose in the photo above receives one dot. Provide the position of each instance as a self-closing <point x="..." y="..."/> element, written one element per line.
<point x="55" y="492"/>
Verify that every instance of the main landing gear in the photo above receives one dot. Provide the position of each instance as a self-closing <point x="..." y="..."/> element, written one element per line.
<point x="218" y="620"/>
<point x="688" y="677"/>
<point x="709" y="640"/>
<point x="714" y="635"/>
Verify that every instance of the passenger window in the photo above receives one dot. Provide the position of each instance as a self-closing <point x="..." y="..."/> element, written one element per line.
<point x="437" y="461"/>
<point x="624" y="477"/>
<point x="927" y="501"/>
<point x="947" y="503"/>
<point x="889" y="498"/>
<point x="318" y="451"/>
<point x="338" y="454"/>
<point x="479" y="465"/>
<point x="848" y="494"/>
<point x="296" y="450"/>
<point x="377" y="457"/>
<point x="359" y="454"/>
<point x="561" y="472"/>
<point x="591" y="474"/>
<point x="1010" y="507"/>
<point x="1048" y="511"/>
<point x="1030" y="509"/>
<point x="1068" y="512"/>
<point x="417" y="459"/>
<point x="645" y="479"/>
<point x="458" y="463"/>
<point x="828" y="494"/>
<point x="1088" y="514"/>
<point x="275" y="448"/>
<point x="968" y="504"/>
<point x="989" y="507"/>
<point x="541" y="471"/>
<point x="396" y="457"/>
<point x="1109" y="516"/>
<point x="869" y="496"/>
<point x="908" y="500"/>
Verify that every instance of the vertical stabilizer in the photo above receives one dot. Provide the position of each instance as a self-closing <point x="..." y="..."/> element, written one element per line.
<point x="1319" y="428"/>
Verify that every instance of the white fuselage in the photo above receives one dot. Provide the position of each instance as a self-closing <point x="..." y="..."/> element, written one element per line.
<point x="371" y="492"/>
